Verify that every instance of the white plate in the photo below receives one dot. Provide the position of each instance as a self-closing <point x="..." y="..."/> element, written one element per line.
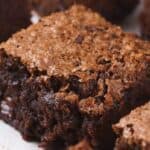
<point x="10" y="139"/>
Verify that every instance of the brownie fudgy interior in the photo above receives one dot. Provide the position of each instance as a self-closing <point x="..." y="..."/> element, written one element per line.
<point x="27" y="103"/>
<point x="68" y="79"/>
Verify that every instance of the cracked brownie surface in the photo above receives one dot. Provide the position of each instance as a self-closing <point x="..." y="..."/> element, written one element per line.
<point x="133" y="130"/>
<point x="114" y="10"/>
<point x="70" y="77"/>
<point x="13" y="17"/>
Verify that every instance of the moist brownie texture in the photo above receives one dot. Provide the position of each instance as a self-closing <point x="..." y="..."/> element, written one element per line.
<point x="134" y="130"/>
<point x="70" y="77"/>
<point x="145" y="20"/>
<point x="113" y="10"/>
<point x="13" y="16"/>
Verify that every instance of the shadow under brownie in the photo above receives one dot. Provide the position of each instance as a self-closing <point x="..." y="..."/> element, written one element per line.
<point x="13" y="17"/>
<point x="113" y="10"/>
<point x="67" y="79"/>
<point x="134" y="130"/>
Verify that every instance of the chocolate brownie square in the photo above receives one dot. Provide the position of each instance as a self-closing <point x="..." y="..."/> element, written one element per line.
<point x="113" y="10"/>
<point x="134" y="130"/>
<point x="145" y="20"/>
<point x="70" y="77"/>
<point x="14" y="15"/>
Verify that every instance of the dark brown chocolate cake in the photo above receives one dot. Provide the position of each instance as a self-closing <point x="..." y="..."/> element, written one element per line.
<point x="70" y="77"/>
<point x="14" y="15"/>
<point x="134" y="130"/>
<point x="113" y="10"/>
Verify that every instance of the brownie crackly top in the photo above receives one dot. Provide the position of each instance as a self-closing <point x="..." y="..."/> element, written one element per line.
<point x="113" y="10"/>
<point x="135" y="127"/>
<point x="78" y="43"/>
<point x="140" y="119"/>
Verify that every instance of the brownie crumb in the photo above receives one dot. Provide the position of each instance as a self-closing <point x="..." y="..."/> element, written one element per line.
<point x="79" y="39"/>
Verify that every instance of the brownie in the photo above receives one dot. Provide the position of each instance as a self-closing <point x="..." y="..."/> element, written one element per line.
<point x="134" y="130"/>
<point x="113" y="10"/>
<point x="71" y="76"/>
<point x="13" y="17"/>
<point x="145" y="20"/>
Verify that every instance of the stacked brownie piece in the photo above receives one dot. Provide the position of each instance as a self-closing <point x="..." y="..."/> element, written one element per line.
<point x="145" y="20"/>
<point x="14" y="15"/>
<point x="113" y="10"/>
<point x="134" y="130"/>
<point x="70" y="77"/>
